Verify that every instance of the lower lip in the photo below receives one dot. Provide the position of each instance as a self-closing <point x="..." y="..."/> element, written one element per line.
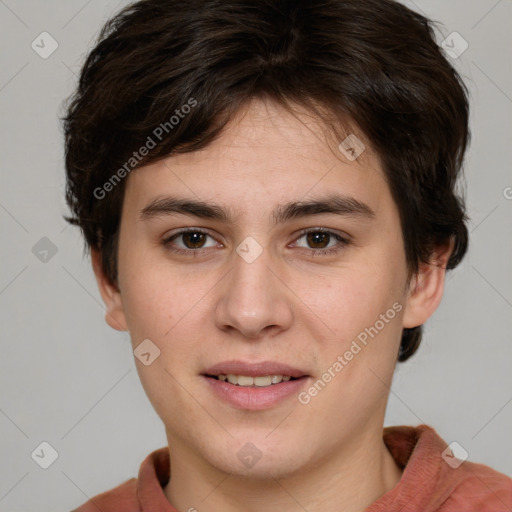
<point x="256" y="398"/>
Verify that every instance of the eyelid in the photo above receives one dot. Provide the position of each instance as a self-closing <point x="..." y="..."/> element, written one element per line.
<point x="319" y="229"/>
<point x="191" y="229"/>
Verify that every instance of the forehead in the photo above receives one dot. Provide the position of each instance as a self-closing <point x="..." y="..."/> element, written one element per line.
<point x="266" y="156"/>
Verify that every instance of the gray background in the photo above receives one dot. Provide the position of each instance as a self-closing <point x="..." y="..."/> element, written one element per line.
<point x="70" y="380"/>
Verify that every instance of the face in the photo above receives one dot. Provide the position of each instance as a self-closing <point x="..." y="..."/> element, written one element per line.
<point x="294" y="267"/>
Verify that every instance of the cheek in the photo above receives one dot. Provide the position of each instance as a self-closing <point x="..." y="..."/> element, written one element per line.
<point x="350" y="299"/>
<point x="152" y="298"/>
<point x="171" y="307"/>
<point x="359" y="309"/>
<point x="363" y="308"/>
<point x="160" y="306"/>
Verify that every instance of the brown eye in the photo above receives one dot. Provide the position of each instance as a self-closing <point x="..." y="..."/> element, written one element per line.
<point x="321" y="242"/>
<point x="193" y="239"/>
<point x="318" y="239"/>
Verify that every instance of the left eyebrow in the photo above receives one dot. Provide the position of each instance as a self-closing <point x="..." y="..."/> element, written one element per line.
<point x="333" y="204"/>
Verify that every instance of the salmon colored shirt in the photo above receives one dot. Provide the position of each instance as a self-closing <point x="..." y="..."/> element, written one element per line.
<point x="428" y="482"/>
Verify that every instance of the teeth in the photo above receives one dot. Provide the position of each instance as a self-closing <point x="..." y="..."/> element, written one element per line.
<point x="264" y="381"/>
<point x="243" y="380"/>
<point x="246" y="381"/>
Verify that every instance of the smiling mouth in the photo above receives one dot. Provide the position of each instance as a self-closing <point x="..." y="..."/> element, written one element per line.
<point x="255" y="382"/>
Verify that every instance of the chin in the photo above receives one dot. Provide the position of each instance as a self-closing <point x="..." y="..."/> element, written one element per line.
<point x="260" y="460"/>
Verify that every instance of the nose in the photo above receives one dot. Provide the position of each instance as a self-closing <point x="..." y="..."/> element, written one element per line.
<point x="253" y="299"/>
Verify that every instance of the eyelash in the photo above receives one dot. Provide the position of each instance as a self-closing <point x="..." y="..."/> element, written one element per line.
<point x="342" y="242"/>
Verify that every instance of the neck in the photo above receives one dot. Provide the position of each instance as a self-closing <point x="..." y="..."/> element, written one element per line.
<point x="349" y="479"/>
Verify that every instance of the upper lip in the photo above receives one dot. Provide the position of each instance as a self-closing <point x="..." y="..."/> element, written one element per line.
<point x="254" y="369"/>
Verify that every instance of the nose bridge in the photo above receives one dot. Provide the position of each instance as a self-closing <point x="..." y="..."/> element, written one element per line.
<point x="251" y="283"/>
<point x="253" y="299"/>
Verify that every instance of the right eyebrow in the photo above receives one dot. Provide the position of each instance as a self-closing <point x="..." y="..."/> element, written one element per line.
<point x="170" y="205"/>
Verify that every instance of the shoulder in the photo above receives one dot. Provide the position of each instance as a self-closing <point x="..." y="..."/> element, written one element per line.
<point x="122" y="497"/>
<point x="136" y="494"/>
<point x="434" y="479"/>
<point x="484" y="488"/>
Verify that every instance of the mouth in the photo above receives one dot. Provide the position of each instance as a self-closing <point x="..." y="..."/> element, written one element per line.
<point x="264" y="373"/>
<point x="248" y="381"/>
<point x="254" y="386"/>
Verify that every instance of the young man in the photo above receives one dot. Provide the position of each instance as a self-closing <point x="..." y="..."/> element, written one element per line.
<point x="267" y="191"/>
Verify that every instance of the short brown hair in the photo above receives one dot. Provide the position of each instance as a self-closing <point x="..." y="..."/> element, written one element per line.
<point x="374" y="62"/>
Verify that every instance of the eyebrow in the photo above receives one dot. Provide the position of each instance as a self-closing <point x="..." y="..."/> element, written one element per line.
<point x="333" y="204"/>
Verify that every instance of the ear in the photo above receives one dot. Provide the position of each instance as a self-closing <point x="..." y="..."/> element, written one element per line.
<point x="114" y="315"/>
<point x="426" y="288"/>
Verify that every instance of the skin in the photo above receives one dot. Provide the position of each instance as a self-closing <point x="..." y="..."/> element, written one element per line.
<point x="289" y="305"/>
